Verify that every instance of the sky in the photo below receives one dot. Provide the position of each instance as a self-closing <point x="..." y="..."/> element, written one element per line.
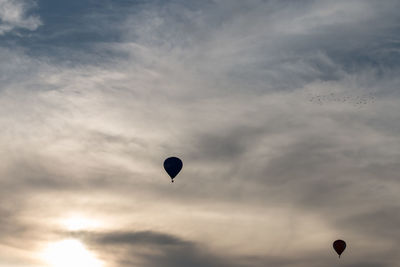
<point x="284" y="113"/>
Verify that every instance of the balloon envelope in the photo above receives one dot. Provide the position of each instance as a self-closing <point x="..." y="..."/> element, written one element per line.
<point x="339" y="246"/>
<point x="173" y="166"/>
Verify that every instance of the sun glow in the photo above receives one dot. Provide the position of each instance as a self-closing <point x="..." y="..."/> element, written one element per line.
<point x="77" y="223"/>
<point x="68" y="253"/>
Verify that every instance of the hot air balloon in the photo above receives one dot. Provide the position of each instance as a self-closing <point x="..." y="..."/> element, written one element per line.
<point x="339" y="246"/>
<point x="173" y="166"/>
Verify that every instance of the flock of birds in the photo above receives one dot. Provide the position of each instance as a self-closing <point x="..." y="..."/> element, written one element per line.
<point x="173" y="166"/>
<point x="357" y="100"/>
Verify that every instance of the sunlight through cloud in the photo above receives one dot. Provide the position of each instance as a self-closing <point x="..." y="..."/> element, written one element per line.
<point x="78" y="223"/>
<point x="69" y="252"/>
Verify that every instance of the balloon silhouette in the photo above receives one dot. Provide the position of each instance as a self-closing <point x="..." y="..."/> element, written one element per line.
<point x="339" y="246"/>
<point x="173" y="166"/>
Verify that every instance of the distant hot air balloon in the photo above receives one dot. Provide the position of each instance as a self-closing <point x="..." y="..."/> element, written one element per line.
<point x="339" y="246"/>
<point x="173" y="166"/>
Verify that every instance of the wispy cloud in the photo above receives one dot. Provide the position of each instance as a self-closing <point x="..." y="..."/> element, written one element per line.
<point x="15" y="14"/>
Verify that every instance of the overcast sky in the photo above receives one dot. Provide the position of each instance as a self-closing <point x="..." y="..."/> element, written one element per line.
<point x="286" y="115"/>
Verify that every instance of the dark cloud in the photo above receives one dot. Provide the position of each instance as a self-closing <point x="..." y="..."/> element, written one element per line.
<point x="141" y="238"/>
<point x="152" y="249"/>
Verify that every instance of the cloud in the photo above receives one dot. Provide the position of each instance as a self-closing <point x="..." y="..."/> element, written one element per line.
<point x="14" y="14"/>
<point x="150" y="248"/>
<point x="269" y="178"/>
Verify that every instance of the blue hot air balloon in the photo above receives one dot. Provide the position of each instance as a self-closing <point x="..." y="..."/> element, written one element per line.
<point x="173" y="166"/>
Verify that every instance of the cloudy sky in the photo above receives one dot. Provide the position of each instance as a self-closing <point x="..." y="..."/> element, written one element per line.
<point x="285" y="114"/>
